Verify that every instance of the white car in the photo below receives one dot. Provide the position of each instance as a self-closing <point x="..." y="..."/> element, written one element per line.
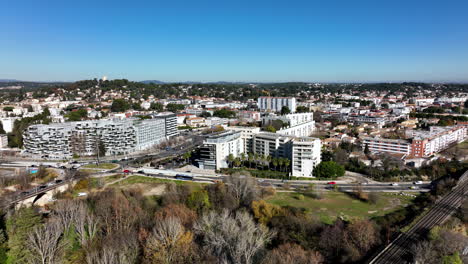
<point x="81" y="194"/>
<point x="418" y="182"/>
<point x="394" y="184"/>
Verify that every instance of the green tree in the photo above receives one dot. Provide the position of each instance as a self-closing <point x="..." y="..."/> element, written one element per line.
<point x="270" y="128"/>
<point x="199" y="201"/>
<point x="158" y="107"/>
<point x="224" y="113"/>
<point x="230" y="159"/>
<point x="8" y="109"/>
<point x="175" y="107"/>
<point x="120" y="105"/>
<point x="285" y="110"/>
<point x="329" y="169"/>
<point x="452" y="259"/>
<point x="18" y="226"/>
<point x="205" y="114"/>
<point x="302" y="109"/>
<point x="2" y="131"/>
<point x="187" y="156"/>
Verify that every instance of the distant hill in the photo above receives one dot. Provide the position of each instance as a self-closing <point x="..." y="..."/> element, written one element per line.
<point x="8" y="80"/>
<point x="153" y="81"/>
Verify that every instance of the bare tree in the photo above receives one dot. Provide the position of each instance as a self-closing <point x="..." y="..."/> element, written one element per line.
<point x="424" y="252"/>
<point x="87" y="227"/>
<point x="67" y="211"/>
<point x="232" y="238"/>
<point x="242" y="187"/>
<point x="45" y="242"/>
<point x="168" y="243"/>
<point x="292" y="253"/>
<point x="118" y="248"/>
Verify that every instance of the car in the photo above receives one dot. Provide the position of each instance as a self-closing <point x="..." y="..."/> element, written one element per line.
<point x="50" y="183"/>
<point x="394" y="184"/>
<point x="414" y="187"/>
<point x="58" y="181"/>
<point x="24" y="193"/>
<point x="126" y="171"/>
<point x="42" y="186"/>
<point x="418" y="182"/>
<point x="332" y="182"/>
<point x="80" y="194"/>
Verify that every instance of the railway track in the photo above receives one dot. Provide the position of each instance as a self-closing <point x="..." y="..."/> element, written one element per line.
<point x="399" y="251"/>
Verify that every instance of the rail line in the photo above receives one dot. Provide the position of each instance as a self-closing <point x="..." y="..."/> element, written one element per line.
<point x="399" y="251"/>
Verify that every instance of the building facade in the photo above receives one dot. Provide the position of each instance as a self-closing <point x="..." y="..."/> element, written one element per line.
<point x="419" y="143"/>
<point x="216" y="149"/>
<point x="84" y="138"/>
<point x="306" y="154"/>
<point x="274" y="104"/>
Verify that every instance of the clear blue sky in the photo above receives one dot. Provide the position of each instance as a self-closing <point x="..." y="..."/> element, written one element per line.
<point x="235" y="40"/>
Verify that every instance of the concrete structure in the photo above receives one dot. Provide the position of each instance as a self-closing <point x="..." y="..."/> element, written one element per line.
<point x="274" y="104"/>
<point x="249" y="116"/>
<point x="217" y="148"/>
<point x="195" y="121"/>
<point x="62" y="141"/>
<point x="8" y="123"/>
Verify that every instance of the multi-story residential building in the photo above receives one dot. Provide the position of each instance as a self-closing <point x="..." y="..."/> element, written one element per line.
<point x="8" y="123"/>
<point x="195" y="121"/>
<point x="298" y="124"/>
<point x="272" y="144"/>
<point x="247" y="134"/>
<point x="274" y="104"/>
<point x="216" y="149"/>
<point x="62" y="141"/>
<point x="250" y="116"/>
<point x="305" y="156"/>
<point x="170" y="121"/>
<point x="395" y="146"/>
<point x="439" y="138"/>
<point x="420" y="143"/>
<point x="378" y="121"/>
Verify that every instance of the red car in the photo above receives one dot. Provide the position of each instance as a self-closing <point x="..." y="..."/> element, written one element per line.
<point x="331" y="182"/>
<point x="126" y="171"/>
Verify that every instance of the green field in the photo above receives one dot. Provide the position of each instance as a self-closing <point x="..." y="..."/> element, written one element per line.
<point x="133" y="179"/>
<point x="103" y="166"/>
<point x="335" y="204"/>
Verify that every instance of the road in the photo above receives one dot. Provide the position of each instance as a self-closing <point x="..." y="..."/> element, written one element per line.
<point x="399" y="251"/>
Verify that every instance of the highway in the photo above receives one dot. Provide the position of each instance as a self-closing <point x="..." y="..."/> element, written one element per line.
<point x="399" y="251"/>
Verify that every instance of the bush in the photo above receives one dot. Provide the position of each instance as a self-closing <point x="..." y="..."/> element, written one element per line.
<point x="300" y="197"/>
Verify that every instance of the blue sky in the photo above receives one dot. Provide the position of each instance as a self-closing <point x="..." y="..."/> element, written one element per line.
<point x="288" y="40"/>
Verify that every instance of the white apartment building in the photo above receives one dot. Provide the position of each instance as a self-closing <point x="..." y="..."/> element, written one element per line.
<point x="62" y="141"/>
<point x="272" y="144"/>
<point x="299" y="124"/>
<point x="216" y="149"/>
<point x="305" y="156"/>
<point x="247" y="134"/>
<point x="421" y="143"/>
<point x="8" y="123"/>
<point x="170" y="121"/>
<point x="274" y="104"/>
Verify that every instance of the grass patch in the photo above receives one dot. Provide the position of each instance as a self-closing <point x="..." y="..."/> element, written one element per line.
<point x="335" y="204"/>
<point x="134" y="179"/>
<point x="103" y="166"/>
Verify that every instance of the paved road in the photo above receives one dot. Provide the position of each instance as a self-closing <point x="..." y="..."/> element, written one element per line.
<point x="399" y="251"/>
